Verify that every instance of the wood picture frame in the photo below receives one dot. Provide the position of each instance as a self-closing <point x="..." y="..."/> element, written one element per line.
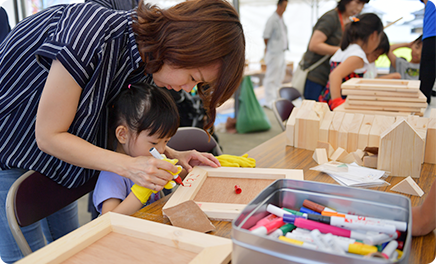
<point x="125" y="236"/>
<point x="411" y="86"/>
<point x="223" y="210"/>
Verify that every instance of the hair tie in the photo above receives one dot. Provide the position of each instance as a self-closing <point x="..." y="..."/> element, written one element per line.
<point x="128" y="86"/>
<point x="354" y="19"/>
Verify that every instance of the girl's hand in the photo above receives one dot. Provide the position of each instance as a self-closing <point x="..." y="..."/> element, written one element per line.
<point x="189" y="159"/>
<point x="149" y="172"/>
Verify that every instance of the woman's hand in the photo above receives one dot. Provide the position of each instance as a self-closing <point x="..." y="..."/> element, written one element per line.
<point x="150" y="172"/>
<point x="191" y="158"/>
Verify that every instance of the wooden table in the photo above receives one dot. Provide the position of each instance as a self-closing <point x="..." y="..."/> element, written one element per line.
<point x="275" y="154"/>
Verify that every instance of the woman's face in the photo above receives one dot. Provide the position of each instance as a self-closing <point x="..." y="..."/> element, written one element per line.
<point x="354" y="7"/>
<point x="178" y="79"/>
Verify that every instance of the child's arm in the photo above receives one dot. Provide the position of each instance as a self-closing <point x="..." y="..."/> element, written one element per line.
<point x="391" y="54"/>
<point x="128" y="207"/>
<point x="344" y="69"/>
<point x="424" y="216"/>
<point x="394" y="75"/>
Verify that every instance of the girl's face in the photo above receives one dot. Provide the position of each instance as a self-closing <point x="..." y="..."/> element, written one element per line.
<point x="141" y="144"/>
<point x="178" y="79"/>
<point x="354" y="7"/>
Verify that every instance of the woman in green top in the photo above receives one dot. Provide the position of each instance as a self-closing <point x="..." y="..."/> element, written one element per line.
<point x="325" y="40"/>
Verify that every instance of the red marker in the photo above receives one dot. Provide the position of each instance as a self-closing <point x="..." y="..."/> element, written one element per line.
<point x="269" y="227"/>
<point x="238" y="189"/>
<point x="157" y="155"/>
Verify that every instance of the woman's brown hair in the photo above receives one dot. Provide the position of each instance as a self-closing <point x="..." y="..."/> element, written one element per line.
<point x="193" y="34"/>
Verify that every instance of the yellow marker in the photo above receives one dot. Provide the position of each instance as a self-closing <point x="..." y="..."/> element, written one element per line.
<point x="361" y="249"/>
<point x="297" y="242"/>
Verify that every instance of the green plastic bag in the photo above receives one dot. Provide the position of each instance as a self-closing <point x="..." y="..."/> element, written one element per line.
<point x="251" y="117"/>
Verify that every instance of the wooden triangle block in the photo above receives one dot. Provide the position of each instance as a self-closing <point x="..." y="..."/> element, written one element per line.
<point x="320" y="156"/>
<point x="327" y="146"/>
<point x="409" y="186"/>
<point x="339" y="154"/>
<point x="189" y="215"/>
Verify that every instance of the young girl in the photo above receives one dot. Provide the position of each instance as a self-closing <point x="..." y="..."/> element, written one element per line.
<point x="361" y="37"/>
<point x="142" y="117"/>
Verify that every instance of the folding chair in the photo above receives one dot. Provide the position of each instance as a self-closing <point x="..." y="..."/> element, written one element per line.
<point x="289" y="93"/>
<point x="33" y="197"/>
<point x="189" y="138"/>
<point x="282" y="109"/>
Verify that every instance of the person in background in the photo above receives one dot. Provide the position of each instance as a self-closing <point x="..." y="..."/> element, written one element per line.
<point x="428" y="55"/>
<point x="325" y="40"/>
<point x="4" y="24"/>
<point x="383" y="48"/>
<point x="142" y="117"/>
<point x="424" y="216"/>
<point x="275" y="36"/>
<point x="407" y="70"/>
<point x="61" y="70"/>
<point x="361" y="37"/>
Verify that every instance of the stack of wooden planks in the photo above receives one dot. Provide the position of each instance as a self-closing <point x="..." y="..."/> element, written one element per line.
<point x="383" y="96"/>
<point x="403" y="142"/>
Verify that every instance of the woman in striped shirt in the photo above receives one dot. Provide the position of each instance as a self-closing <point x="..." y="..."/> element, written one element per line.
<point x="62" y="67"/>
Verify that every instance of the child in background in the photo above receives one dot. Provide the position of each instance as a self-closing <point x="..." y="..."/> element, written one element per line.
<point x="383" y="48"/>
<point x="362" y="36"/>
<point x="408" y="70"/>
<point x="142" y="117"/>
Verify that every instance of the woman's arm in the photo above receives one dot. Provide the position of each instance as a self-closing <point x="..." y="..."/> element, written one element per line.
<point x="344" y="69"/>
<point x="317" y="44"/>
<point x="56" y="111"/>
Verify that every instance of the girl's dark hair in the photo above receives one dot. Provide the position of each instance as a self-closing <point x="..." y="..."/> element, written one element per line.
<point x="342" y="3"/>
<point x="384" y="45"/>
<point x="145" y="107"/>
<point x="418" y="40"/>
<point x="194" y="34"/>
<point x="360" y="29"/>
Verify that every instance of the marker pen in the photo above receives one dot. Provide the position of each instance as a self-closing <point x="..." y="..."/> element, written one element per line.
<point x="308" y="211"/>
<point x="157" y="155"/>
<point x="389" y="249"/>
<point x="281" y="231"/>
<point x="304" y="235"/>
<point x="316" y="207"/>
<point x="319" y="241"/>
<point x="334" y="245"/>
<point x="276" y="210"/>
<point x="297" y="242"/>
<point x="325" y="228"/>
<point x="399" y="225"/>
<point x="263" y="221"/>
<point x="293" y="211"/>
<point x="357" y="248"/>
<point x="269" y="227"/>
<point x="380" y="238"/>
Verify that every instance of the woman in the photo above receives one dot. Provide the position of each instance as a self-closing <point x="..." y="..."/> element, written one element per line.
<point x="325" y="40"/>
<point x="62" y="67"/>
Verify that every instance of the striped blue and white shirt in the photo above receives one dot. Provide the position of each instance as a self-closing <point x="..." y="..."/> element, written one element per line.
<point x="97" y="46"/>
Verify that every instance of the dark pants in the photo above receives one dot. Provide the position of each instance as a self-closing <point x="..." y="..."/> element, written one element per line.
<point x="427" y="67"/>
<point x="312" y="90"/>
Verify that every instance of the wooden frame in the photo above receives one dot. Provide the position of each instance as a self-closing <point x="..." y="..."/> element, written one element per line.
<point x="224" y="211"/>
<point x="209" y="249"/>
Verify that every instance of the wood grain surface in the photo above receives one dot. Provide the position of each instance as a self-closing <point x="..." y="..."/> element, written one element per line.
<point x="275" y="154"/>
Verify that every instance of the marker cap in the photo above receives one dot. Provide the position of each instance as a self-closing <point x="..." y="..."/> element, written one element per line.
<point x="361" y="249"/>
<point x="307" y="211"/>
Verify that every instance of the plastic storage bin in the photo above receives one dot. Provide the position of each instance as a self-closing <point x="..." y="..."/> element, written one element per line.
<point x="251" y="248"/>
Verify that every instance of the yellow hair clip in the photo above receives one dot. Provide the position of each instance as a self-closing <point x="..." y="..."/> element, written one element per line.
<point x="354" y="19"/>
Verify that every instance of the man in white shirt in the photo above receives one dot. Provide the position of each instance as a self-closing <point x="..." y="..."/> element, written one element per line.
<point x="275" y="36"/>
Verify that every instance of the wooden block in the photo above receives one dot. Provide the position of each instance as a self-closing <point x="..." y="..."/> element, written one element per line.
<point x="116" y="238"/>
<point x="353" y="132"/>
<point x="343" y="130"/>
<point x="345" y="108"/>
<point x="380" y="124"/>
<point x="188" y="215"/>
<point x="349" y="158"/>
<point x="339" y="154"/>
<point x="334" y="128"/>
<point x="376" y="93"/>
<point x="360" y="153"/>
<point x="320" y="156"/>
<point x="357" y="158"/>
<point x="409" y="186"/>
<point x="213" y="188"/>
<point x="400" y="150"/>
<point x="325" y="126"/>
<point x="290" y="127"/>
<point x="382" y="85"/>
<point x="387" y="103"/>
<point x="420" y="124"/>
<point x="430" y="143"/>
<point x="370" y="161"/>
<point x="308" y="122"/>
<point x="327" y="146"/>
<point x="364" y="131"/>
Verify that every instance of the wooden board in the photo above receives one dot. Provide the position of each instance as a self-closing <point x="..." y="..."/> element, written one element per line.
<point x="213" y="196"/>
<point x="343" y="130"/>
<point x="353" y="132"/>
<point x="290" y="127"/>
<point x="342" y="108"/>
<point x="420" y="99"/>
<point x="325" y="126"/>
<point x="334" y="129"/>
<point x="116" y="238"/>
<point x="382" y="85"/>
<point x="379" y="103"/>
<point x="307" y="124"/>
<point x="430" y="143"/>
<point x="362" y="142"/>
<point x="372" y="93"/>
<point x="400" y="150"/>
